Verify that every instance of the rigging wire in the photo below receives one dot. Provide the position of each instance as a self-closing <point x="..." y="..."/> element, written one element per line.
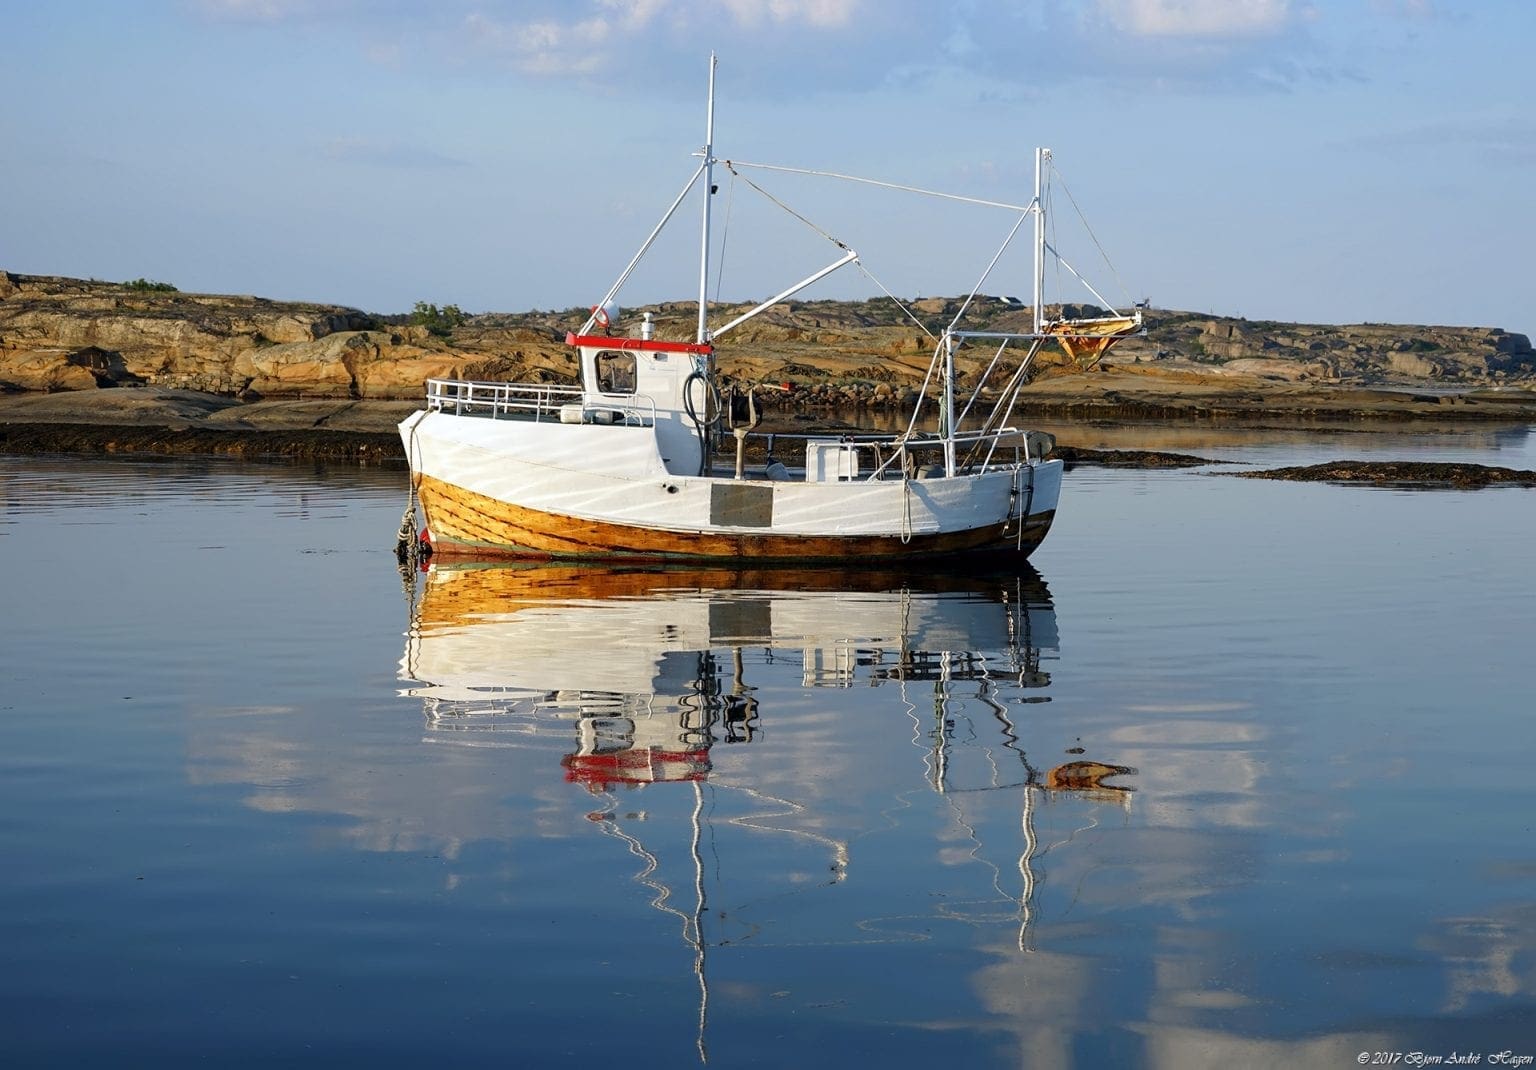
<point x="980" y="382"/>
<point x="1061" y="262"/>
<point x="613" y="290"/>
<point x="725" y="230"/>
<point x="731" y="167"/>
<point x="922" y="391"/>
<point x="885" y="185"/>
<point x="1084" y="220"/>
<point x="982" y="281"/>
<point x="835" y="241"/>
<point x="1048" y="207"/>
<point x="870" y="275"/>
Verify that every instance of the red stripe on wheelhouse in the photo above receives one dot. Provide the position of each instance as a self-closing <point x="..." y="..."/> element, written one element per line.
<point x="603" y="341"/>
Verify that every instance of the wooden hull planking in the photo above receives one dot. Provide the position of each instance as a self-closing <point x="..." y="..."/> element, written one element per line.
<point x="465" y="524"/>
<point x="461" y="593"/>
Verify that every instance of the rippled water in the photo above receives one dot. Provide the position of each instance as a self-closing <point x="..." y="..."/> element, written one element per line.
<point x="260" y="803"/>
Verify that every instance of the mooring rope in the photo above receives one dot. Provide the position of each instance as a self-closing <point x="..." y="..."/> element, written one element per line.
<point x="408" y="549"/>
<point x="906" y="507"/>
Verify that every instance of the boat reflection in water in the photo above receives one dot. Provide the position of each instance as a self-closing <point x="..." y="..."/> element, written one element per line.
<point x="644" y="678"/>
<point x="644" y="667"/>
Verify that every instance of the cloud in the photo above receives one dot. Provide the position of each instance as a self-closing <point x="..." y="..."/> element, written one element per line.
<point x="1202" y="18"/>
<point x="582" y="41"/>
<point x="633" y="14"/>
<point x="819" y="13"/>
<point x="782" y="48"/>
<point x="544" y="46"/>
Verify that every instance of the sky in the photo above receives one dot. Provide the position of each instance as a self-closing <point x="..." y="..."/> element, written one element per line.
<point x="1323" y="161"/>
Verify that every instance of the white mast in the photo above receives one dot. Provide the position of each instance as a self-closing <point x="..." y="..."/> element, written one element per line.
<point x="1041" y="155"/>
<point x="709" y="189"/>
<point x="949" y="404"/>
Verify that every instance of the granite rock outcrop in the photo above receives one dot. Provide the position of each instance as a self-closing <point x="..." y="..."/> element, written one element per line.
<point x="71" y="334"/>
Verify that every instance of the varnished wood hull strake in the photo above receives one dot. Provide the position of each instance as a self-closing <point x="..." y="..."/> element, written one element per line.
<point x="463" y="523"/>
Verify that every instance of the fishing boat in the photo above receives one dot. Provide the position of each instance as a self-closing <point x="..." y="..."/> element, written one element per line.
<point x="627" y="463"/>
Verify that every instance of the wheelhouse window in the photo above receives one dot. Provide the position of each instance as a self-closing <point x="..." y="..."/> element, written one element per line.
<point x="616" y="373"/>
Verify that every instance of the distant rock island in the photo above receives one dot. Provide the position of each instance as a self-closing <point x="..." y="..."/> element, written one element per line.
<point x="61" y="334"/>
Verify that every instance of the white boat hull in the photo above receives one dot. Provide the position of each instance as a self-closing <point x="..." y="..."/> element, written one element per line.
<point x="549" y="490"/>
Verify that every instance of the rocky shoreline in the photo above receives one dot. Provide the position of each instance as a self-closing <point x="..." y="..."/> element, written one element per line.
<point x="95" y="367"/>
<point x="59" y="334"/>
<point x="149" y="421"/>
<point x="352" y="447"/>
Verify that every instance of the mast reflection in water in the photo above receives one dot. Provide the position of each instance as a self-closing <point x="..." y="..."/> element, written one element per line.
<point x="643" y="676"/>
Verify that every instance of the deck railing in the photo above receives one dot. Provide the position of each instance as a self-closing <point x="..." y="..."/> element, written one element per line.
<point x="535" y="401"/>
<point x="974" y="450"/>
<point x="870" y="458"/>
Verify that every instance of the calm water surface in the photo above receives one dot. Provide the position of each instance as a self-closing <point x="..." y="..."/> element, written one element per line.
<point x="261" y="803"/>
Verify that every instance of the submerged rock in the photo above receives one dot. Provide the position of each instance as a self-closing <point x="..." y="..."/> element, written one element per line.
<point x="1401" y="473"/>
